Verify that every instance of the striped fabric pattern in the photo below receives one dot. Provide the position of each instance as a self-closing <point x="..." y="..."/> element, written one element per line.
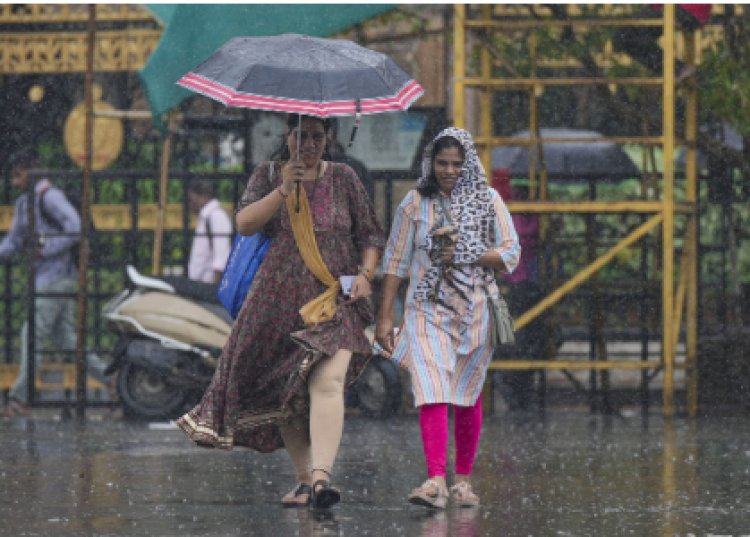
<point x="447" y="355"/>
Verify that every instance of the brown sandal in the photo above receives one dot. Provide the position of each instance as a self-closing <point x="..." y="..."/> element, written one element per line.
<point x="293" y="498"/>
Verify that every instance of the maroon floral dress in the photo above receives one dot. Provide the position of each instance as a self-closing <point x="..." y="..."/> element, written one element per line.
<point x="261" y="376"/>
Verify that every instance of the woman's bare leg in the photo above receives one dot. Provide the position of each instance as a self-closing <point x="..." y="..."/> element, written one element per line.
<point x="297" y="444"/>
<point x="326" y="387"/>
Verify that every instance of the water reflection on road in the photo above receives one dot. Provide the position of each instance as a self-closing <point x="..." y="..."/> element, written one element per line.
<point x="569" y="474"/>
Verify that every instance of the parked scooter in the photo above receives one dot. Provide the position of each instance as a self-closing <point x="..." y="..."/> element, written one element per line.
<point x="172" y="331"/>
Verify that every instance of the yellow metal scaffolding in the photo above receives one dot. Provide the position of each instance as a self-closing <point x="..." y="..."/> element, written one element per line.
<point x="470" y="21"/>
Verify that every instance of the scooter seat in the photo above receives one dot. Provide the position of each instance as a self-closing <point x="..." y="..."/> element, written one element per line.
<point x="205" y="292"/>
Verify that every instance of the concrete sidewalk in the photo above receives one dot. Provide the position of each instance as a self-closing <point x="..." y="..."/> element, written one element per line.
<point x="570" y="473"/>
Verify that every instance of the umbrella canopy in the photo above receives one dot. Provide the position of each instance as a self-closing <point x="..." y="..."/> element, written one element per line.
<point x="584" y="160"/>
<point x="305" y="75"/>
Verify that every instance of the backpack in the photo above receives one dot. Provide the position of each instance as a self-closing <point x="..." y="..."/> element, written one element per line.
<point x="73" y="195"/>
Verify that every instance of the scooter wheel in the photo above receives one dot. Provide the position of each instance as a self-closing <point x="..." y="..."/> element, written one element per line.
<point x="145" y="395"/>
<point x="378" y="389"/>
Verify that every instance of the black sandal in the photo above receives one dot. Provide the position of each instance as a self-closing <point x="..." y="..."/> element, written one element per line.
<point x="301" y="489"/>
<point x="324" y="496"/>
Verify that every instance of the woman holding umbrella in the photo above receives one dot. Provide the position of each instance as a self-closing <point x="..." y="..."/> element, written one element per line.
<point x="297" y="340"/>
<point x="449" y="236"/>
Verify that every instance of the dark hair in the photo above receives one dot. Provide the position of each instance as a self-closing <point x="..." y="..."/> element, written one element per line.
<point x="203" y="187"/>
<point x="334" y="125"/>
<point x="431" y="187"/>
<point x="292" y="121"/>
<point x="25" y="159"/>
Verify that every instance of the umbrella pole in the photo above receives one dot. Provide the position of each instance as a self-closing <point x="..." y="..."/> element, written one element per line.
<point x="299" y="137"/>
<point x="357" y="121"/>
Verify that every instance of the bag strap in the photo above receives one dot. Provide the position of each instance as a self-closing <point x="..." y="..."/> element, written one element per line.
<point x="46" y="215"/>
<point x="446" y="208"/>
<point x="209" y="235"/>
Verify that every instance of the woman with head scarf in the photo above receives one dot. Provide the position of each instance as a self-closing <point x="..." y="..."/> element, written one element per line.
<point x="449" y="237"/>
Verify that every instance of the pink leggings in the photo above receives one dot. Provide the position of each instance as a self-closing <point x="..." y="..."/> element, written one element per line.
<point x="433" y="420"/>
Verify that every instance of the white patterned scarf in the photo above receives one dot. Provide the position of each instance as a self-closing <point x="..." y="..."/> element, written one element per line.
<point x="473" y="215"/>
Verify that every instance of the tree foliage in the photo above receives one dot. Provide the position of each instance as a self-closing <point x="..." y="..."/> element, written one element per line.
<point x="724" y="81"/>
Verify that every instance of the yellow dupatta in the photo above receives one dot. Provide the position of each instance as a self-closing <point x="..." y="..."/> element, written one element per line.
<point x="323" y="307"/>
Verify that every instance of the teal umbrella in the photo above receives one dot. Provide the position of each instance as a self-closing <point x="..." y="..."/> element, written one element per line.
<point x="192" y="32"/>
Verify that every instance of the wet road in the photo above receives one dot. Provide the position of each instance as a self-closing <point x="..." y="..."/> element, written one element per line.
<point x="570" y="473"/>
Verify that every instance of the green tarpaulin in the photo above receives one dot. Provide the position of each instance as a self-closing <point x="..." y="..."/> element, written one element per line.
<point x="193" y="31"/>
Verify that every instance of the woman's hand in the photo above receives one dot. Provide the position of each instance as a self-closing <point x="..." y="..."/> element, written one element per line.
<point x="446" y="253"/>
<point x="492" y="259"/>
<point x="292" y="171"/>
<point x="384" y="334"/>
<point x="361" y="288"/>
<point x="444" y="245"/>
<point x="384" y="327"/>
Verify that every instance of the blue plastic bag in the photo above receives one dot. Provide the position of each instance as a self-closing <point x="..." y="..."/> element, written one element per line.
<point x="244" y="260"/>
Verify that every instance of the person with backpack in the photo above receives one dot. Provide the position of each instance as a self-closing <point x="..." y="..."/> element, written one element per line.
<point x="57" y="225"/>
<point x="213" y="233"/>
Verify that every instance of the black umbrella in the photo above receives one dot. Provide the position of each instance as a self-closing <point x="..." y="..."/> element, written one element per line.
<point x="305" y="75"/>
<point x="724" y="134"/>
<point x="597" y="159"/>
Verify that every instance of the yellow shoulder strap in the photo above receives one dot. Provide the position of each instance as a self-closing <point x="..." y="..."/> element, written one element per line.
<point x="323" y="307"/>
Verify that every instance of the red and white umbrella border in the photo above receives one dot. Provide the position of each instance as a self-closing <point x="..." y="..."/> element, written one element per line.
<point x="400" y="101"/>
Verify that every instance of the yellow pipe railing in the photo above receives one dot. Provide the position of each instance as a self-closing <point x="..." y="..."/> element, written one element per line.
<point x="691" y="239"/>
<point x="520" y="83"/>
<point x="118" y="217"/>
<point x="459" y="65"/>
<point x="635" y="206"/>
<point x="587" y="271"/>
<point x="557" y="23"/>
<point x="508" y="140"/>
<point x="668" y="347"/>
<point x="580" y="363"/>
<point x="485" y="101"/>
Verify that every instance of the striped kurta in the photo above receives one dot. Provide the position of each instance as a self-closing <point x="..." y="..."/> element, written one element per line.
<point x="447" y="355"/>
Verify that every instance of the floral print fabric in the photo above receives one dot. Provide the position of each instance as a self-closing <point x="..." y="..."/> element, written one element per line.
<point x="261" y="376"/>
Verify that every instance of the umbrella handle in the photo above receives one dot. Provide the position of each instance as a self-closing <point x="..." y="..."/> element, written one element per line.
<point x="299" y="185"/>
<point x="299" y="133"/>
<point x="357" y="121"/>
<point x="299" y="138"/>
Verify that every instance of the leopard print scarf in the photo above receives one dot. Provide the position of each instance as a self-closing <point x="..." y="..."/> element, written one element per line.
<point x="471" y="212"/>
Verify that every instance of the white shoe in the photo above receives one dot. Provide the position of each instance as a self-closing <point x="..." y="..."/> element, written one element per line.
<point x="463" y="496"/>
<point x="429" y="494"/>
